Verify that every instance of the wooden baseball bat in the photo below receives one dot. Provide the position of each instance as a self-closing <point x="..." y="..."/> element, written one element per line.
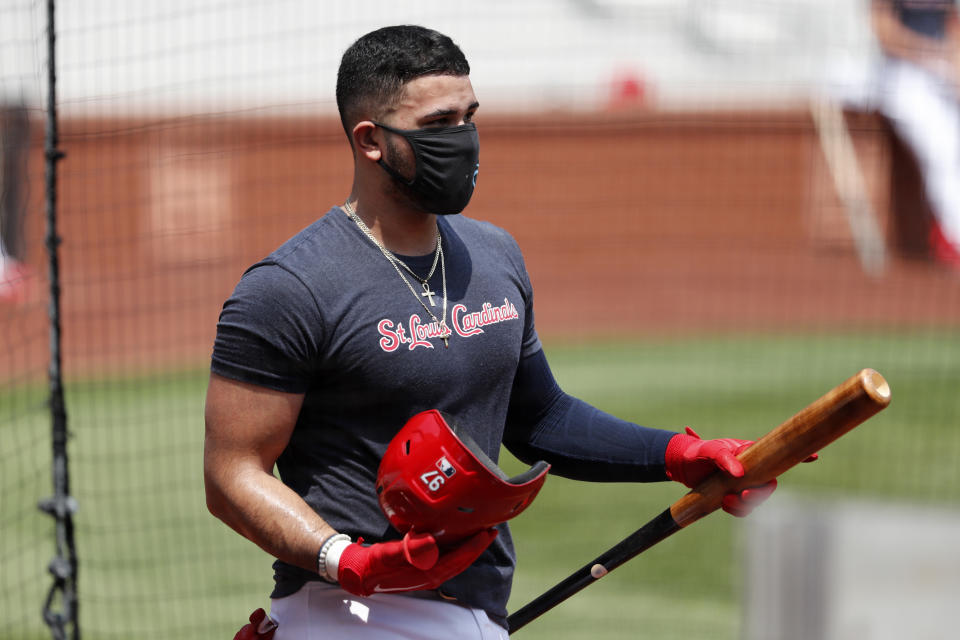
<point x="809" y="431"/>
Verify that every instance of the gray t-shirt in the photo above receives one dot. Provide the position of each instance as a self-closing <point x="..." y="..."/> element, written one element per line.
<point x="327" y="315"/>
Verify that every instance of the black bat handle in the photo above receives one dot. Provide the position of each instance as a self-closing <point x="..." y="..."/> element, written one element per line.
<point x="637" y="542"/>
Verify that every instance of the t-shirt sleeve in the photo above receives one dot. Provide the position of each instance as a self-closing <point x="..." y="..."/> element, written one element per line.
<point x="270" y="331"/>
<point x="531" y="341"/>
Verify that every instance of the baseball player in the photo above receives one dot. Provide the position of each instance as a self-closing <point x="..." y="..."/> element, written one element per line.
<point x="919" y="91"/>
<point x="390" y="305"/>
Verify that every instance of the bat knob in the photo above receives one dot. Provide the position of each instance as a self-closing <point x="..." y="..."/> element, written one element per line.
<point x="597" y="571"/>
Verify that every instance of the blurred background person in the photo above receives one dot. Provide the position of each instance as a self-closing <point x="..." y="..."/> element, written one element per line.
<point x="14" y="138"/>
<point x="920" y="95"/>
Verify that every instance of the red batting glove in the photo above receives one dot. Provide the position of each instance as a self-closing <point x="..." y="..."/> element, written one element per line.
<point x="690" y="460"/>
<point x="410" y="564"/>
<point x="261" y="627"/>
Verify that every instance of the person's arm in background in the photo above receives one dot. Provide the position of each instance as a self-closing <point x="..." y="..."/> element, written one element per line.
<point x="939" y="56"/>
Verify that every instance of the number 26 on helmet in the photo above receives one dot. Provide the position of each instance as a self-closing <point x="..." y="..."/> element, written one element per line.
<point x="435" y="479"/>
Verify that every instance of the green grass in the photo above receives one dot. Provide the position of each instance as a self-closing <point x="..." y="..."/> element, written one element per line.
<point x="155" y="564"/>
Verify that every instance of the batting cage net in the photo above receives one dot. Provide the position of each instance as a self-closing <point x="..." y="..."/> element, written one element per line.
<point x="719" y="219"/>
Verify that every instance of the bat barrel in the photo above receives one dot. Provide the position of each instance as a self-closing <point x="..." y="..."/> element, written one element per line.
<point x="813" y="428"/>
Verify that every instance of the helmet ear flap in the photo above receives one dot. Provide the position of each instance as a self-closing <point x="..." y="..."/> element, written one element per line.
<point x="434" y="478"/>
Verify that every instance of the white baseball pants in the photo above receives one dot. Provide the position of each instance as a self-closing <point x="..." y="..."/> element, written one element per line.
<point x="925" y="111"/>
<point x="321" y="611"/>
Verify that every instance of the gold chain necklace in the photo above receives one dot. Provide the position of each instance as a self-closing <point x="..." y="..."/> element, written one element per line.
<point x="397" y="263"/>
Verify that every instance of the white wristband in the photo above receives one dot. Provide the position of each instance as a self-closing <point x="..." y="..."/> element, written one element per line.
<point x="327" y="563"/>
<point x="333" y="558"/>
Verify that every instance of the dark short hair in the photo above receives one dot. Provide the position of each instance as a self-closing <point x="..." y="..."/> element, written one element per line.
<point x="375" y="68"/>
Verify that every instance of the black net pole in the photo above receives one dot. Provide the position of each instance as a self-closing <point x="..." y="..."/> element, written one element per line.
<point x="60" y="608"/>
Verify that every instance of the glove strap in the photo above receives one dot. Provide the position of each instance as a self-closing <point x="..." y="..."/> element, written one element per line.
<point x="323" y="553"/>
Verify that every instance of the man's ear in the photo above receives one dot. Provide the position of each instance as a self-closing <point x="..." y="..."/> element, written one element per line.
<point x="366" y="142"/>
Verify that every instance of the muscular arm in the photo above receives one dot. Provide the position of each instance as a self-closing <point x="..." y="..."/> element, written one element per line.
<point x="247" y="427"/>
<point x="579" y="440"/>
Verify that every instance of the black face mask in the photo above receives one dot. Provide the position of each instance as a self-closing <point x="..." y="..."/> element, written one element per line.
<point x="447" y="163"/>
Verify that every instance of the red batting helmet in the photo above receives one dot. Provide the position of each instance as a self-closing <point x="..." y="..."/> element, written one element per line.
<point x="435" y="479"/>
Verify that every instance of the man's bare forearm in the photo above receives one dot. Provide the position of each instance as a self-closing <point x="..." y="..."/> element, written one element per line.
<point x="268" y="513"/>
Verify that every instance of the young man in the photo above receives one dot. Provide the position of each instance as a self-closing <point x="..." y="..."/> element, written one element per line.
<point x="387" y="306"/>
